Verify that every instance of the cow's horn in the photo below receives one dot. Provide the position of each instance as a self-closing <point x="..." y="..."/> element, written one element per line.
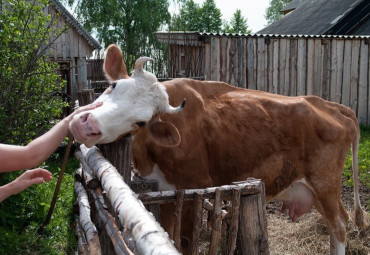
<point x="178" y="108"/>
<point x="139" y="64"/>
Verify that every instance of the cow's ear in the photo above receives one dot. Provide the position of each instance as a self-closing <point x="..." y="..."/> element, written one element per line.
<point x="164" y="133"/>
<point x="114" y="67"/>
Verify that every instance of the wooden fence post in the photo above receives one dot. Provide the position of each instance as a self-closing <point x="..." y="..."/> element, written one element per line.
<point x="252" y="234"/>
<point x="85" y="96"/>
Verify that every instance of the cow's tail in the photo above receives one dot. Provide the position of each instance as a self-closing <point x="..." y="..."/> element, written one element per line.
<point x="359" y="213"/>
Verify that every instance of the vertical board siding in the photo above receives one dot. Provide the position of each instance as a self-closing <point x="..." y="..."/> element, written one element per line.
<point x="336" y="69"/>
<point x="363" y="85"/>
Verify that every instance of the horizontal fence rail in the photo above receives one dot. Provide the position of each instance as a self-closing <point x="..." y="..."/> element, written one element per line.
<point x="133" y="230"/>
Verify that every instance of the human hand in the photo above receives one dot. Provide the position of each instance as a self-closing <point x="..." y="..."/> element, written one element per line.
<point x="84" y="108"/>
<point x="31" y="177"/>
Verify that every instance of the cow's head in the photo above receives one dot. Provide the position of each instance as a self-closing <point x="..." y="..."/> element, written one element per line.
<point x="129" y="103"/>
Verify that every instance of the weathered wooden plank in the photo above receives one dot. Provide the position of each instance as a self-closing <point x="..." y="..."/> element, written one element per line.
<point x="197" y="224"/>
<point x="245" y="63"/>
<point x="215" y="59"/>
<point x="363" y="83"/>
<point x="216" y="223"/>
<point x="368" y="89"/>
<point x="240" y="78"/>
<point x="275" y="64"/>
<point x="178" y="213"/>
<point x="293" y="67"/>
<point x="333" y="68"/>
<point x="233" y="230"/>
<point x="326" y="58"/>
<point x="246" y="188"/>
<point x="224" y="54"/>
<point x="354" y="74"/>
<point x="232" y="62"/>
<point x="346" y="88"/>
<point x="301" y="67"/>
<point x="207" y="61"/>
<point x="270" y="67"/>
<point x="339" y="71"/>
<point x="282" y="65"/>
<point x="318" y="65"/>
<point x="261" y="64"/>
<point x="252" y="234"/>
<point x="310" y="66"/>
<point x="251" y="66"/>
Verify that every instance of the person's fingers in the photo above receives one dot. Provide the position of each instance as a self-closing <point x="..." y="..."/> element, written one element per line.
<point x="42" y="173"/>
<point x="36" y="181"/>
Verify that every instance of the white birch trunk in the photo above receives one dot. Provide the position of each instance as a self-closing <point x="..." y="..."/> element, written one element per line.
<point x="148" y="235"/>
<point x="85" y="220"/>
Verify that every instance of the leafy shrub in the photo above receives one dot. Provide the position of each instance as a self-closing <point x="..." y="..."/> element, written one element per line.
<point x="29" y="83"/>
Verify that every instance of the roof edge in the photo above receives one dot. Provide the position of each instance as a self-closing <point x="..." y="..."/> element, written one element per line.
<point x="74" y="23"/>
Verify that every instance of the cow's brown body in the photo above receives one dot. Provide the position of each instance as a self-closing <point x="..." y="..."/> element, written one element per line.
<point x="296" y="145"/>
<point x="229" y="134"/>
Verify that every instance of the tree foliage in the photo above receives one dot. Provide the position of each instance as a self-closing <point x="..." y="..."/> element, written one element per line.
<point x="210" y="17"/>
<point x="131" y="24"/>
<point x="238" y="24"/>
<point x="273" y="11"/>
<point x="195" y="17"/>
<point x="29" y="82"/>
<point x="188" y="19"/>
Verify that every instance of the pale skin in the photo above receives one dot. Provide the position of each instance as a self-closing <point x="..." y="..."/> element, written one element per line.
<point x="14" y="157"/>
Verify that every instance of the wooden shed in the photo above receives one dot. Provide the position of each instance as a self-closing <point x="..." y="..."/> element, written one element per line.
<point x="71" y="50"/>
<point x="336" y="68"/>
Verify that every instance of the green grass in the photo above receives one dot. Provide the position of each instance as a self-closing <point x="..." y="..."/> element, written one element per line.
<point x="363" y="161"/>
<point x="21" y="215"/>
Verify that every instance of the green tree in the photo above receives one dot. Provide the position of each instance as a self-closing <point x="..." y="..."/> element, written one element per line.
<point x="273" y="11"/>
<point x="188" y="19"/>
<point x="29" y="82"/>
<point x="131" y="24"/>
<point x="238" y="24"/>
<point x="210" y="17"/>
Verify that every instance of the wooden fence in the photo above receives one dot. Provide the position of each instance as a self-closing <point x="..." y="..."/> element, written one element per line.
<point x="109" y="210"/>
<point x="336" y="68"/>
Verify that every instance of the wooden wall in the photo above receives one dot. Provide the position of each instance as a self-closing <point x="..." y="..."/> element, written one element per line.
<point x="72" y="48"/>
<point x="336" y="69"/>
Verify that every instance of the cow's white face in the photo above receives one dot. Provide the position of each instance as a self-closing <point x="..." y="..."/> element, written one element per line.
<point x="127" y="105"/>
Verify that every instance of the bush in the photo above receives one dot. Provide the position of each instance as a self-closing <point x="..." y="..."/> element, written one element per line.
<point x="29" y="82"/>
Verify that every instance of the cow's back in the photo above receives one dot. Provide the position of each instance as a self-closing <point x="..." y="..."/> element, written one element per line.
<point x="229" y="134"/>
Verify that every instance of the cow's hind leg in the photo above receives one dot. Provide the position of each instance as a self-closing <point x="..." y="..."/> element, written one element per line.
<point x="337" y="218"/>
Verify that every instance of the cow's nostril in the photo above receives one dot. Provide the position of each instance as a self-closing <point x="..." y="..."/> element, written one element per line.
<point x="84" y="117"/>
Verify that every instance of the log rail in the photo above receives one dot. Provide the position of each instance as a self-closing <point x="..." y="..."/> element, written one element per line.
<point x="131" y="229"/>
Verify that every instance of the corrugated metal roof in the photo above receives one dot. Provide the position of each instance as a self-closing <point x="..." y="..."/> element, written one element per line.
<point x="313" y="17"/>
<point x="287" y="35"/>
<point x="74" y="23"/>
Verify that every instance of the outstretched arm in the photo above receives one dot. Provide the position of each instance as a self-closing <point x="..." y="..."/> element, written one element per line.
<point x="27" y="179"/>
<point x="13" y="157"/>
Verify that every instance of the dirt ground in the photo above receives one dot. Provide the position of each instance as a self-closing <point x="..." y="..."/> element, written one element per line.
<point x="310" y="236"/>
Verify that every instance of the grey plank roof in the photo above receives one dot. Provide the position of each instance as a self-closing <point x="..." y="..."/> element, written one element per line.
<point x="314" y="17"/>
<point x="75" y="24"/>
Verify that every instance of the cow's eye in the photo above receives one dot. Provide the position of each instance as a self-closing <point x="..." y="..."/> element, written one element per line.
<point x="141" y="123"/>
<point x="114" y="84"/>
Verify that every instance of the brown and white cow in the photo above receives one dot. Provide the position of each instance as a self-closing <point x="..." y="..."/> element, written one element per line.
<point x="296" y="145"/>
